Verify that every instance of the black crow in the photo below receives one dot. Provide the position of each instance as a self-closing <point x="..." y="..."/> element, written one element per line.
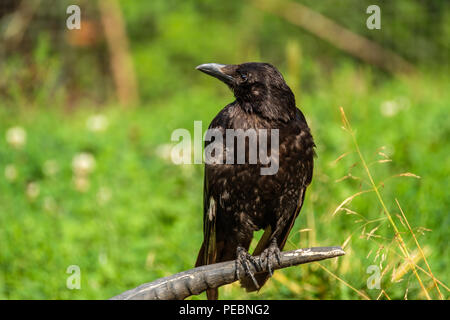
<point x="238" y="197"/>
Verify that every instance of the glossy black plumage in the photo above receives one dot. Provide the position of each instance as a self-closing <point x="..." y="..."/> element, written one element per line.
<point x="238" y="200"/>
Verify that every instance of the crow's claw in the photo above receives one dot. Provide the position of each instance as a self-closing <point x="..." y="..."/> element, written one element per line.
<point x="244" y="259"/>
<point x="269" y="255"/>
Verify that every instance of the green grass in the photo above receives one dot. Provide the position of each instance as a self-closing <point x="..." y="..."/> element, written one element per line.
<point x="140" y="218"/>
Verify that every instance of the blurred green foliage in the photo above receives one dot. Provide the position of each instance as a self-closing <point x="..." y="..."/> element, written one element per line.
<point x="137" y="217"/>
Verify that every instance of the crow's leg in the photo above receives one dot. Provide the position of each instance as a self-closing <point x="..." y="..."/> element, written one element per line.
<point x="244" y="259"/>
<point x="269" y="255"/>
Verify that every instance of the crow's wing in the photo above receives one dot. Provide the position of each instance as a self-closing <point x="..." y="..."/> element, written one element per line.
<point x="208" y="251"/>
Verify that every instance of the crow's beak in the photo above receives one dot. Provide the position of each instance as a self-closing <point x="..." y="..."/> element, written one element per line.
<point x="216" y="70"/>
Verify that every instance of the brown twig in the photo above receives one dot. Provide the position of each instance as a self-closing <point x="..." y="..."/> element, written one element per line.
<point x="119" y="51"/>
<point x="19" y="22"/>
<point x="339" y="36"/>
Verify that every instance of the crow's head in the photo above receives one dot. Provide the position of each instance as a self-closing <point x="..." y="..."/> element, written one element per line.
<point x="258" y="87"/>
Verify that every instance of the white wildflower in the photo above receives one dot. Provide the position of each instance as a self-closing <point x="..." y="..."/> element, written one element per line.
<point x="83" y="164"/>
<point x="16" y="137"/>
<point x="174" y="155"/>
<point x="33" y="190"/>
<point x="11" y="172"/>
<point x="164" y="151"/>
<point x="97" y="123"/>
<point x="389" y="108"/>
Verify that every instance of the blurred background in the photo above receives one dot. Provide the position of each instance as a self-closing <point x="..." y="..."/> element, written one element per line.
<point x="86" y="116"/>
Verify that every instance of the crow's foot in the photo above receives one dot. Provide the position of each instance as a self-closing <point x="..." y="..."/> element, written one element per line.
<point x="269" y="255"/>
<point x="244" y="259"/>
